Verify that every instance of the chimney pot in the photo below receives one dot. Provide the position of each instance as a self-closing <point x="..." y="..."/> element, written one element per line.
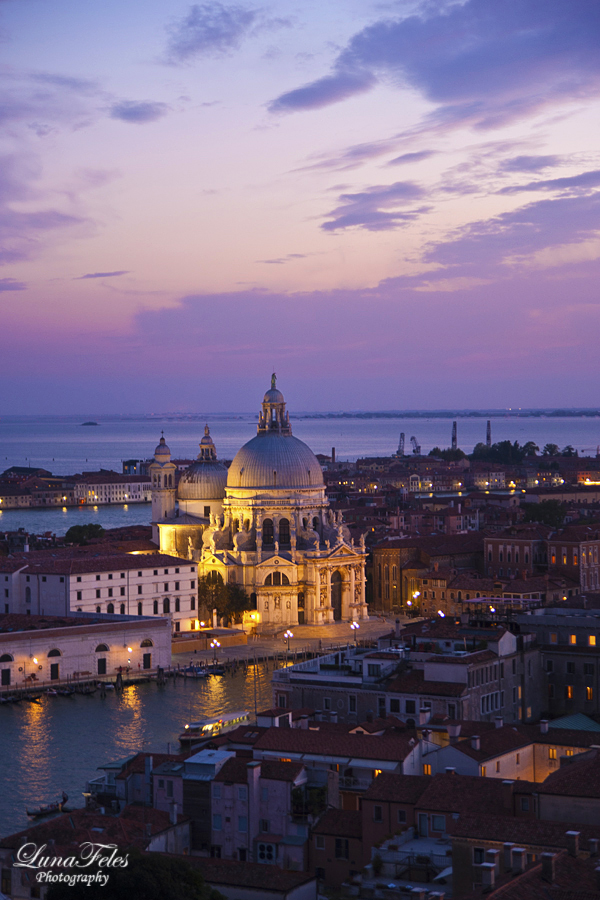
<point x="593" y="846"/>
<point x="544" y="726"/>
<point x="488" y="875"/>
<point x="507" y="847"/>
<point x="476" y="742"/>
<point x="573" y="842"/>
<point x="548" y="868"/>
<point x="519" y="859"/>
<point x="493" y="856"/>
<point x="499" y="721"/>
<point x="424" y="716"/>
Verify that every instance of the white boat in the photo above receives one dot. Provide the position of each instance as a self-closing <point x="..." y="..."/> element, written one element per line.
<point x="194" y="732"/>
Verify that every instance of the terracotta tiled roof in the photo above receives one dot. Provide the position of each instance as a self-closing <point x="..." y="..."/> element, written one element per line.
<point x="522" y="832"/>
<point x="236" y="770"/>
<point x="575" y="879"/>
<point x="495" y="743"/>
<point x="137" y="765"/>
<point x="397" y="788"/>
<point x="71" y="829"/>
<point x="414" y="683"/>
<point x="327" y="743"/>
<point x="468" y="794"/>
<point x="106" y="564"/>
<point x="579" y="778"/>
<point x="340" y="823"/>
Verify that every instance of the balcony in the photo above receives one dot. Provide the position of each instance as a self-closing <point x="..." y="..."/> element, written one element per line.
<point x="100" y="786"/>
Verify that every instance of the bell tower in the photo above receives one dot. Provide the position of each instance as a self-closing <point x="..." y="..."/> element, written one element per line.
<point x="273" y="416"/>
<point x="162" y="473"/>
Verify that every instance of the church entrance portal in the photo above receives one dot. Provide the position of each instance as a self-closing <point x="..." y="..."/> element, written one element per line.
<point x="336" y="595"/>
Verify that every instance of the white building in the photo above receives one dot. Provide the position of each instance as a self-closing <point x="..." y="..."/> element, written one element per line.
<point x="35" y="649"/>
<point x="126" y="584"/>
<point x="264" y="524"/>
<point x="100" y="488"/>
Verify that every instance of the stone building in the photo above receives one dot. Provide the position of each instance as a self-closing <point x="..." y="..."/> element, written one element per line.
<point x="264" y="524"/>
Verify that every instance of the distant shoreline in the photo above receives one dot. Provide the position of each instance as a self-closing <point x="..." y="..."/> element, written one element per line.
<point x="462" y="414"/>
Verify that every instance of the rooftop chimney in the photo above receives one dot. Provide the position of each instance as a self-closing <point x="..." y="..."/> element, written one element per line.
<point x="333" y="717"/>
<point x="508" y="856"/>
<point x="544" y="726"/>
<point x="453" y="732"/>
<point x="424" y="716"/>
<point x="572" y="842"/>
<point x="493" y="856"/>
<point x="507" y="793"/>
<point x="548" y="867"/>
<point x="519" y="859"/>
<point x="593" y="846"/>
<point x="304" y="722"/>
<point x="476" y="742"/>
<point x="499" y="721"/>
<point x="488" y="876"/>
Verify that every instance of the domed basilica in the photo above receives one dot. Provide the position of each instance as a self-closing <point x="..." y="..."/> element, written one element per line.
<point x="264" y="524"/>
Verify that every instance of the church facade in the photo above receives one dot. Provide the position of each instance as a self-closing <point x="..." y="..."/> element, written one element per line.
<point x="264" y="524"/>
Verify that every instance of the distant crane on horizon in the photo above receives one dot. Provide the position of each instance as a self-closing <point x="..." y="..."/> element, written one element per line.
<point x="416" y="447"/>
<point x="401" y="445"/>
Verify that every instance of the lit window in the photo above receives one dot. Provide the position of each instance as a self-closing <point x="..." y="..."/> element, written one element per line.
<point x="551" y="752"/>
<point x="569" y="692"/>
<point x="589" y="693"/>
<point x="483" y="771"/>
<point x="572" y="638"/>
<point x="553" y="638"/>
<point x="592" y="640"/>
<point x="426" y="769"/>
<point x="376" y="772"/>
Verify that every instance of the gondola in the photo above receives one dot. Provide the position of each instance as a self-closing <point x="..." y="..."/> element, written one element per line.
<point x="50" y="808"/>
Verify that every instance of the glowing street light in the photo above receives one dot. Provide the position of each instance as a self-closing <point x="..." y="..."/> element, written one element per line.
<point x="289" y="634"/>
<point x="355" y="626"/>
<point x="441" y="614"/>
<point x="214" y="644"/>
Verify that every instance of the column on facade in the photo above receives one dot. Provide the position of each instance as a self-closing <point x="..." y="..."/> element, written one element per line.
<point x="329" y="613"/>
<point x="353" y="611"/>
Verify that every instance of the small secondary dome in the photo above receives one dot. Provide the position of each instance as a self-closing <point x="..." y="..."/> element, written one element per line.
<point x="162" y="449"/>
<point x="206" y="478"/>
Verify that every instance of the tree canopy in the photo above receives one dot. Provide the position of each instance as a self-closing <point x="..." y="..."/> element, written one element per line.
<point x="449" y="455"/>
<point x="230" y="600"/>
<point x="547" y="512"/>
<point x="148" y="876"/>
<point x="82" y="534"/>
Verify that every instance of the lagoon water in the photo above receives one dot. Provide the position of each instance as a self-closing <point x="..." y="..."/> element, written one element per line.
<point x="58" y="744"/>
<point x="64" y="446"/>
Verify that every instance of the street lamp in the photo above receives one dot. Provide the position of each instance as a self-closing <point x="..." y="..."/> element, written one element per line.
<point x="355" y="626"/>
<point x="289" y="634"/>
<point x="214" y="644"/>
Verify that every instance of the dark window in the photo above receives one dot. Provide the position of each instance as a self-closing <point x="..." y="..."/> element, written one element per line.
<point x="571" y="668"/>
<point x="478" y="855"/>
<point x="401" y="816"/>
<point x="5" y="677"/>
<point x="79" y="595"/>
<point x="147" y="661"/>
<point x="268" y="533"/>
<point x="101" y="665"/>
<point x="140" y="609"/>
<point x="110" y="592"/>
<point x="207" y="512"/>
<point x="284" y="531"/>
<point x="177" y="604"/>
<point x="54" y="672"/>
<point x="122" y="592"/>
<point x="176" y="585"/>
<point x="166" y="605"/>
<point x="588" y="668"/>
<point x="155" y="609"/>
<point x="411" y="706"/>
<point x="341" y="848"/>
<point x="192" y="603"/>
<point x="394" y="705"/>
<point x="110" y="608"/>
<point x="122" y="609"/>
<point x="139" y="589"/>
<point x="97" y="594"/>
<point x="378" y="814"/>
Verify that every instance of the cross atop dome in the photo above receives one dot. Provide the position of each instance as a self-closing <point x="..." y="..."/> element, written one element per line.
<point x="273" y="416"/>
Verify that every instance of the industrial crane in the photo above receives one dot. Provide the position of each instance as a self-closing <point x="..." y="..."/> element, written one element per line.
<point x="416" y="447"/>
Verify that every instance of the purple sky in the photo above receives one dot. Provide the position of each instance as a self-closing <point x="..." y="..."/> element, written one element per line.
<point x="395" y="205"/>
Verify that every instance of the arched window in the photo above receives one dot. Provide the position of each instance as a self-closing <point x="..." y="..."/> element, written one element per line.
<point x="6" y="657"/>
<point x="247" y="525"/>
<point x="305" y="523"/>
<point x="236" y="525"/>
<point x="54" y="652"/>
<point x="253" y="600"/>
<point x="110" y="608"/>
<point x="140" y="609"/>
<point x="214" y="577"/>
<point x="147" y="643"/>
<point x="301" y="600"/>
<point x="284" y="531"/>
<point x="102" y="648"/>
<point x="122" y="609"/>
<point x="166" y="605"/>
<point x="268" y="533"/>
<point x="78" y="609"/>
<point x="97" y="609"/>
<point x="316" y="523"/>
<point x="155" y="610"/>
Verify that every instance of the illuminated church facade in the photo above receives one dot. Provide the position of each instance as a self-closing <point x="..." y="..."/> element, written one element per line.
<point x="264" y="524"/>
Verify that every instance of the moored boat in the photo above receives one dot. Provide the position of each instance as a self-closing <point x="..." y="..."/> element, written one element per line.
<point x="196" y="732"/>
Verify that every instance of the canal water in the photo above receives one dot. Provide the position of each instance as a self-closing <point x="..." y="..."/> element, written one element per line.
<point x="58" y="744"/>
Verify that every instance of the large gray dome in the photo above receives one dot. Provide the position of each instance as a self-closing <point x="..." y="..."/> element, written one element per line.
<point x="203" y="480"/>
<point x="275" y="460"/>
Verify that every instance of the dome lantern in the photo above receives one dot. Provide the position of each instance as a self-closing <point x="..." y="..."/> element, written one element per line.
<point x="273" y="416"/>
